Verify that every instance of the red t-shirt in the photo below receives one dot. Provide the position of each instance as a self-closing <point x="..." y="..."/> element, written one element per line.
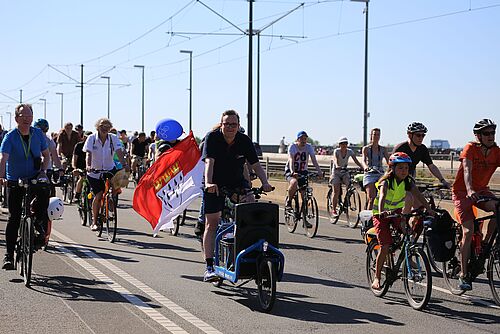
<point x="483" y="167"/>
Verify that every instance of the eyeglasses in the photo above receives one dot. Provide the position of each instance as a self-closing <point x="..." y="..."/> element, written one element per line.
<point x="419" y="135"/>
<point x="230" y="125"/>
<point x="488" y="133"/>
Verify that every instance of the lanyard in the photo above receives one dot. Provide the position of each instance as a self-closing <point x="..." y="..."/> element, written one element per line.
<point x="26" y="149"/>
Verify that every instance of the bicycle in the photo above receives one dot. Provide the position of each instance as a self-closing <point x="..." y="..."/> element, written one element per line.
<point x="416" y="270"/>
<point x="178" y="221"/>
<point x="479" y="254"/>
<point x="25" y="247"/>
<point x="247" y="246"/>
<point x="107" y="220"/>
<point x="67" y="182"/>
<point x="142" y="167"/>
<point x="307" y="211"/>
<point x="85" y="201"/>
<point x="350" y="205"/>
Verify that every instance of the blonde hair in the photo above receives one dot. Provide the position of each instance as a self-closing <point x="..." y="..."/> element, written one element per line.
<point x="103" y="121"/>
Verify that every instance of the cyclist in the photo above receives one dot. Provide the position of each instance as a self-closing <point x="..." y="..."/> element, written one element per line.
<point x="394" y="188"/>
<point x="139" y="151"/>
<point x="298" y="158"/>
<point x="100" y="148"/>
<point x="24" y="155"/>
<point x="66" y="141"/>
<point x="340" y="174"/>
<point x="373" y="155"/>
<point x="79" y="157"/>
<point x="54" y="160"/>
<point x="79" y="129"/>
<point x="225" y="152"/>
<point x="479" y="160"/>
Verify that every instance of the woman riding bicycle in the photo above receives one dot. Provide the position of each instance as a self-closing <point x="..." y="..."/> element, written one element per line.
<point x="373" y="155"/>
<point x="100" y="148"/>
<point x="394" y="188"/>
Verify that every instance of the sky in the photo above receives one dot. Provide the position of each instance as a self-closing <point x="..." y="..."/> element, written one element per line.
<point x="430" y="61"/>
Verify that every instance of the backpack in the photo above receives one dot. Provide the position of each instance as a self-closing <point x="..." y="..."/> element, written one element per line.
<point x="441" y="236"/>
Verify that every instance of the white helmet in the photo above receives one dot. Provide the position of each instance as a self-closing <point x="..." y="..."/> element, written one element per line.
<point x="55" y="209"/>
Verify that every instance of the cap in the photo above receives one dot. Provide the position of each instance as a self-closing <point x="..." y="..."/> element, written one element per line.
<point x="301" y="133"/>
<point x="79" y="127"/>
<point x="87" y="133"/>
<point x="343" y="140"/>
<point x="123" y="131"/>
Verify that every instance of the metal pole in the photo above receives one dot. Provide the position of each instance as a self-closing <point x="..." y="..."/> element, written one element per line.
<point x="107" y="78"/>
<point x="190" y="87"/>
<point x="258" y="87"/>
<point x="20" y="96"/>
<point x="365" y="110"/>
<point x="250" y="97"/>
<point x="62" y="97"/>
<point x="81" y="95"/>
<point x="44" y="108"/>
<point x="142" y="121"/>
<point x="10" y="119"/>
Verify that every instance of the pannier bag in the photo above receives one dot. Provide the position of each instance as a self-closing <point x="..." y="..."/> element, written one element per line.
<point x="441" y="236"/>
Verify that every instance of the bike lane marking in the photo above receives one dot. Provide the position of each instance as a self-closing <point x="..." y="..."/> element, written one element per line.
<point x="184" y="314"/>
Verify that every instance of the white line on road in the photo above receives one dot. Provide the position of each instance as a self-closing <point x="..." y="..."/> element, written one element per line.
<point x="203" y="326"/>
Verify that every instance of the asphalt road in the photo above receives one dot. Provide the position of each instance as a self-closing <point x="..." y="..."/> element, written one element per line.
<point x="141" y="284"/>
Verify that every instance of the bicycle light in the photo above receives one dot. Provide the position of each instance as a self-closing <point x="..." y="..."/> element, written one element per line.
<point x="264" y="246"/>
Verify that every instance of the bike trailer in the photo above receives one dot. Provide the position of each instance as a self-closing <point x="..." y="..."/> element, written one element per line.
<point x="440" y="233"/>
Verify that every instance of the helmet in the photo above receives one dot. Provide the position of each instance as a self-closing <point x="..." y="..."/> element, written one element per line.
<point x="301" y="133"/>
<point x="42" y="124"/>
<point x="241" y="130"/>
<point x="343" y="140"/>
<point x="416" y="127"/>
<point x="55" y="209"/>
<point x="399" y="157"/>
<point x="483" y="124"/>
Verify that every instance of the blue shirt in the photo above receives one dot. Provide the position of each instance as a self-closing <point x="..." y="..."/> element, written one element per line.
<point x="18" y="165"/>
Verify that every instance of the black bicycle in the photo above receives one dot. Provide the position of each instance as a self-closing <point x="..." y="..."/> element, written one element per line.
<point x="179" y="221"/>
<point x="479" y="254"/>
<point x="349" y="206"/>
<point x="415" y="271"/>
<point x="67" y="182"/>
<point x="85" y="200"/>
<point x="307" y="210"/>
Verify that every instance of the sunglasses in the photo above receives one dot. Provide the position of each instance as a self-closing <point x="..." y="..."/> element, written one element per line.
<point x="419" y="135"/>
<point x="488" y="133"/>
<point x="230" y="125"/>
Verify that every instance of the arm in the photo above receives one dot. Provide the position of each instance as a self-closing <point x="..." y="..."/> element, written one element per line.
<point x="3" y="162"/>
<point x="262" y="176"/>
<point x="315" y="163"/>
<point x="88" y="160"/>
<point x="45" y="159"/>
<point x="382" y="195"/>
<point x="55" y="158"/>
<point x="357" y="162"/>
<point x="418" y="195"/>
<point x="437" y="173"/>
<point x="290" y="163"/>
<point x="209" y="173"/>
<point x="364" y="158"/>
<point x="121" y="157"/>
<point x="467" y="166"/>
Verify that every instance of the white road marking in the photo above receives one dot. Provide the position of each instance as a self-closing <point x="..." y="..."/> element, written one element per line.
<point x="203" y="326"/>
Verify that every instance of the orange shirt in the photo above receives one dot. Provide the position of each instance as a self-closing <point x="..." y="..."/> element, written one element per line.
<point x="482" y="167"/>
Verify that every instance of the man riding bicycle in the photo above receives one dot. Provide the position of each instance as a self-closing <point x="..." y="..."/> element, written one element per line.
<point x="479" y="160"/>
<point x="225" y="152"/>
<point x="298" y="158"/>
<point x="139" y="151"/>
<point x="24" y="155"/>
<point x="66" y="141"/>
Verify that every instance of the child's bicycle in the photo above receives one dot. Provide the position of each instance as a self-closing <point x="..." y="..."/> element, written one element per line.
<point x="415" y="271"/>
<point x="247" y="247"/>
<point x="480" y="252"/>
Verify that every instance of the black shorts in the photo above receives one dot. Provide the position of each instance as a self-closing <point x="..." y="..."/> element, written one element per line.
<point x="214" y="203"/>
<point x="98" y="185"/>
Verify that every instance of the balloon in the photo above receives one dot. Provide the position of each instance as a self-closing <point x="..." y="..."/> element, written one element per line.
<point x="168" y="129"/>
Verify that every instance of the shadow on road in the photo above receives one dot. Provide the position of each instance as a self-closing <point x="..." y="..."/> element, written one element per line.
<point x="294" y="278"/>
<point x="344" y="240"/>
<point x="480" y="315"/>
<point x="309" y="248"/>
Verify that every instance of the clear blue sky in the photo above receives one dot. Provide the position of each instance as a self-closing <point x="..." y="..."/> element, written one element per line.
<point x="431" y="61"/>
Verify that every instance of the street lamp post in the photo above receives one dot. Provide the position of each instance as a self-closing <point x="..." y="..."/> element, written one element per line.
<point x="10" y="119"/>
<point x="44" y="108"/>
<point x="142" y="67"/>
<point x="62" y="98"/>
<point x="190" y="86"/>
<point x="365" y="110"/>
<point x="107" y="78"/>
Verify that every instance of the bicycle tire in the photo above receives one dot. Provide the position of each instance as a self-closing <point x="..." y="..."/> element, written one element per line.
<point x="353" y="200"/>
<point x="71" y="189"/>
<point x="218" y="282"/>
<point x="89" y="211"/>
<point x="28" y="249"/>
<point x="290" y="219"/>
<point x="414" y="281"/>
<point x="436" y="266"/>
<point x="371" y="261"/>
<point x="493" y="273"/>
<point x="266" y="283"/>
<point x="329" y="207"/>
<point x="452" y="268"/>
<point x="311" y="216"/>
<point x="111" y="219"/>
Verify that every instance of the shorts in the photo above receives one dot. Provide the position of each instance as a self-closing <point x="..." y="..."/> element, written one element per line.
<point x="213" y="203"/>
<point x="340" y="177"/>
<point x="301" y="181"/>
<point x="463" y="205"/>
<point x="383" y="229"/>
<point x="98" y="185"/>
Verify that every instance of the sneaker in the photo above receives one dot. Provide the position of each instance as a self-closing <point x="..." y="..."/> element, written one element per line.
<point x="210" y="275"/>
<point x="334" y="213"/>
<point x="8" y="262"/>
<point x="464" y="284"/>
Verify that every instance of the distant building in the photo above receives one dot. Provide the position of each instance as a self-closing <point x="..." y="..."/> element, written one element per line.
<point x="439" y="146"/>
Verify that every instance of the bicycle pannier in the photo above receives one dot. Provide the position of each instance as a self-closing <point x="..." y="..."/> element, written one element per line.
<point x="440" y="233"/>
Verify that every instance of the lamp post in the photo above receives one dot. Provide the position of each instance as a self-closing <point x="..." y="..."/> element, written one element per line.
<point x="10" y="119"/>
<point x="44" y="108"/>
<point x="190" y="86"/>
<point x="365" y="110"/>
<point x="107" y="78"/>
<point x="142" y="67"/>
<point x="62" y="98"/>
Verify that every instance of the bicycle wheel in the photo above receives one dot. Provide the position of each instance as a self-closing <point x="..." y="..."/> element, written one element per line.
<point x="89" y="211"/>
<point x="311" y="216"/>
<point x="329" y="207"/>
<point x="417" y="278"/>
<point x="71" y="189"/>
<point x="290" y="219"/>
<point x="27" y="244"/>
<point x="111" y="219"/>
<point x="493" y="273"/>
<point x="451" y="269"/>
<point x="266" y="283"/>
<point x="353" y="200"/>
<point x="371" y="264"/>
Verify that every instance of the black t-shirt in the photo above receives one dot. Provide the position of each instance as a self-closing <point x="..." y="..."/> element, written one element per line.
<point x="139" y="148"/>
<point x="229" y="159"/>
<point x="420" y="154"/>
<point x="80" y="155"/>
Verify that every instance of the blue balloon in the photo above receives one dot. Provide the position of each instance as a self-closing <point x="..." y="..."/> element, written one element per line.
<point x="168" y="129"/>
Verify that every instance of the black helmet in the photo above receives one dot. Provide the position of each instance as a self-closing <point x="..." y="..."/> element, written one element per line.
<point x="483" y="124"/>
<point x="416" y="127"/>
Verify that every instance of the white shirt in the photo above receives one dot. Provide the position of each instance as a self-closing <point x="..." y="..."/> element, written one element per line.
<point x="339" y="161"/>
<point x="300" y="157"/>
<point x="152" y="151"/>
<point x="102" y="154"/>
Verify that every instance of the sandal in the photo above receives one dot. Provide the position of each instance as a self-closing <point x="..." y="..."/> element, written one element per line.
<point x="376" y="284"/>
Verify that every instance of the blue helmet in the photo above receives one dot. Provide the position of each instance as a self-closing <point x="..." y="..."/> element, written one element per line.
<point x="399" y="157"/>
<point x="42" y="124"/>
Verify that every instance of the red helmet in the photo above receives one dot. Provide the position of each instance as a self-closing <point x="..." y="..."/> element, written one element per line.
<point x="399" y="157"/>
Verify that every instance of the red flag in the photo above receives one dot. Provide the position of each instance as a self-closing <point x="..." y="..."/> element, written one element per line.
<point x="170" y="184"/>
